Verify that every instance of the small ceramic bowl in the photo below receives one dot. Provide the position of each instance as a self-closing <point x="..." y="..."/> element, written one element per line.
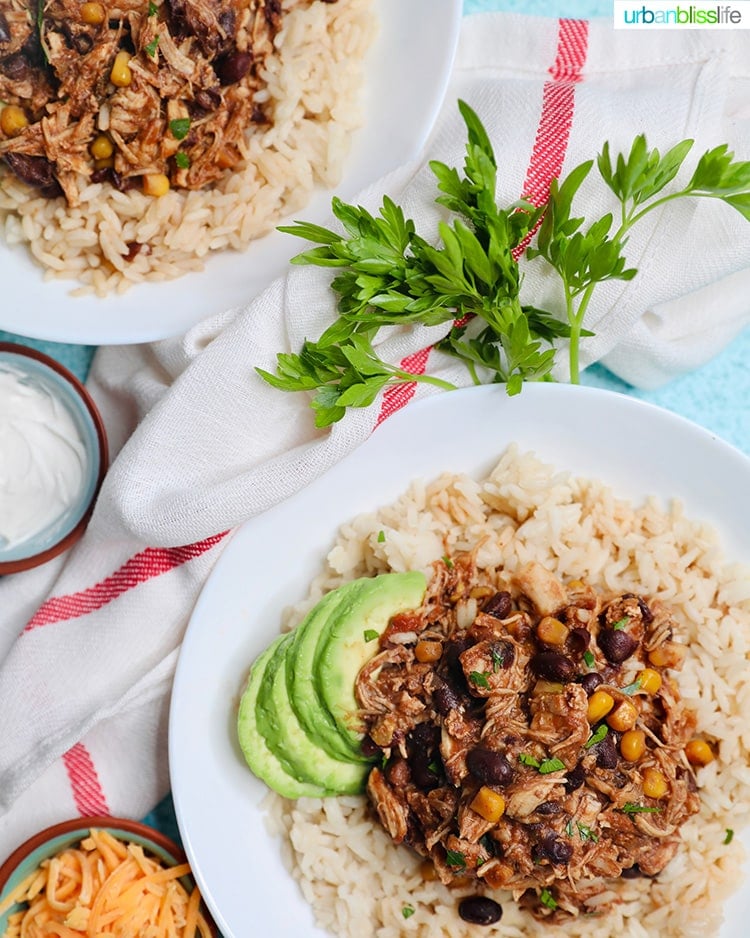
<point x="53" y="840"/>
<point x="54" y="380"/>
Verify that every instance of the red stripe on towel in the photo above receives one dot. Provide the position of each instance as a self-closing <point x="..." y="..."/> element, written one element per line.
<point x="140" y="567"/>
<point x="547" y="156"/>
<point x="84" y="780"/>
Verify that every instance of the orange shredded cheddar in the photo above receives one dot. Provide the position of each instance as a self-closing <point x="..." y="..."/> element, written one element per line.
<point x="104" y="888"/>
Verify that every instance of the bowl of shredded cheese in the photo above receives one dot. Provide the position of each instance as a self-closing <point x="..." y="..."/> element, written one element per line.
<point x="53" y="457"/>
<point x="100" y="876"/>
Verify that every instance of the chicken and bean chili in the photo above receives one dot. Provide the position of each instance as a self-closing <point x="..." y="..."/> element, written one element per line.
<point x="531" y="739"/>
<point x="148" y="93"/>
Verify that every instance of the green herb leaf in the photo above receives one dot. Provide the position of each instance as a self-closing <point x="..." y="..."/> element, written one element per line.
<point x="586" y="833"/>
<point x="479" y="679"/>
<point x="597" y="736"/>
<point x="550" y="765"/>
<point x="448" y="562"/>
<point x="381" y="537"/>
<point x="589" y="659"/>
<point x="632" y="688"/>
<point x="456" y="859"/>
<point x="630" y="807"/>
<point x="525" y="759"/>
<point x="153" y="9"/>
<point x="621" y="623"/>
<point x="180" y="126"/>
<point x="150" y="50"/>
<point x="370" y="635"/>
<point x="729" y="837"/>
<point x="547" y="899"/>
<point x="407" y="911"/>
<point x="182" y="159"/>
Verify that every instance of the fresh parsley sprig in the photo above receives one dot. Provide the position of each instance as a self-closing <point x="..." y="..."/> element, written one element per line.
<point x="389" y="275"/>
<point x="586" y="257"/>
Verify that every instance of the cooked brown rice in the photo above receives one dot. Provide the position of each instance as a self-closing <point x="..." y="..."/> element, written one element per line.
<point x="359" y="883"/>
<point x="314" y="87"/>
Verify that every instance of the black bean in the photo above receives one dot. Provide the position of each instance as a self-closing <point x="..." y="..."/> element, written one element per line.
<point x="489" y="767"/>
<point x="445" y="698"/>
<point x="232" y="66"/>
<point x="553" y="666"/>
<point x="547" y="808"/>
<point x="479" y="910"/>
<point x="575" y="778"/>
<point x="228" y="22"/>
<point x="500" y="605"/>
<point x="424" y="760"/>
<point x="578" y="641"/>
<point x="503" y="655"/>
<point x="369" y="747"/>
<point x="617" y="645"/>
<point x="36" y="171"/>
<point x="208" y="99"/>
<point x="589" y="682"/>
<point x="606" y="752"/>
<point x="16" y="67"/>
<point x="646" y="614"/>
<point x="4" y="28"/>
<point x="552" y="848"/>
<point x="634" y="872"/>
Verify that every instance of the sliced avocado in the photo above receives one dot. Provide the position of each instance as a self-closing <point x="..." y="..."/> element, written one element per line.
<point x="344" y="647"/>
<point x="300" y="755"/>
<point x="307" y="704"/>
<point x="258" y="755"/>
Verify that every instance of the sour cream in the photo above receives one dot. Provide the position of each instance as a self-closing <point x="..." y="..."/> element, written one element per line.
<point x="42" y="457"/>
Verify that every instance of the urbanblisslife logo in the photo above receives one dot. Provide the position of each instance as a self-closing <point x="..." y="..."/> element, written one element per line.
<point x="666" y="14"/>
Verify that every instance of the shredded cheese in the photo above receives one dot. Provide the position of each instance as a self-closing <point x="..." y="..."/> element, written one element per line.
<point x="104" y="888"/>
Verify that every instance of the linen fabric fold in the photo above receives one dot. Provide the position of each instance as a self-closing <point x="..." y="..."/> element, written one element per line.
<point x="88" y="643"/>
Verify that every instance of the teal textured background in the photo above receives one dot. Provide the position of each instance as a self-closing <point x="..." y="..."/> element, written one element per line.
<point x="716" y="396"/>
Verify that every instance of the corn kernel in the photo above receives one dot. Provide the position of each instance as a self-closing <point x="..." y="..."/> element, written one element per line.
<point x="107" y="163"/>
<point x="101" y="147"/>
<point x="121" y="74"/>
<point x="547" y="687"/>
<point x="156" y="184"/>
<point x="623" y="717"/>
<point x="600" y="703"/>
<point x="698" y="752"/>
<point x="427" y="871"/>
<point x="667" y="655"/>
<point x="576" y="585"/>
<point x="551" y="631"/>
<point x="489" y="804"/>
<point x="654" y="783"/>
<point x="633" y="745"/>
<point x="13" y="120"/>
<point x="93" y="14"/>
<point x="650" y="681"/>
<point x="427" y="651"/>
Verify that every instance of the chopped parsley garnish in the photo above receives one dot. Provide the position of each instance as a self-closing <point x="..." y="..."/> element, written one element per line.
<point x="381" y="537"/>
<point x="550" y="765"/>
<point x="456" y="859"/>
<point x="179" y="127"/>
<point x="586" y="833"/>
<point x="621" y="623"/>
<point x="544" y="767"/>
<point x="371" y="635"/>
<point x="597" y="736"/>
<point x="479" y="679"/>
<point x="150" y="51"/>
<point x="729" y="836"/>
<point x="546" y="898"/>
<point x="632" y="688"/>
<point x="630" y="807"/>
<point x="434" y="768"/>
<point x="153" y="9"/>
<point x="569" y="828"/>
<point x="498" y="659"/>
<point x="182" y="159"/>
<point x="589" y="659"/>
<point x="407" y="911"/>
<point x="448" y="562"/>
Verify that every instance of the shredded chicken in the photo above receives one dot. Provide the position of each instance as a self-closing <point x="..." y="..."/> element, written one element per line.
<point x="505" y="709"/>
<point x="195" y="68"/>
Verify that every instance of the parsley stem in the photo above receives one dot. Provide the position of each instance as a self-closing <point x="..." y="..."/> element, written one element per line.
<point x="424" y="379"/>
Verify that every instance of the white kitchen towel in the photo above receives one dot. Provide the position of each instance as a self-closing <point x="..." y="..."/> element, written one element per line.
<point x="203" y="444"/>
